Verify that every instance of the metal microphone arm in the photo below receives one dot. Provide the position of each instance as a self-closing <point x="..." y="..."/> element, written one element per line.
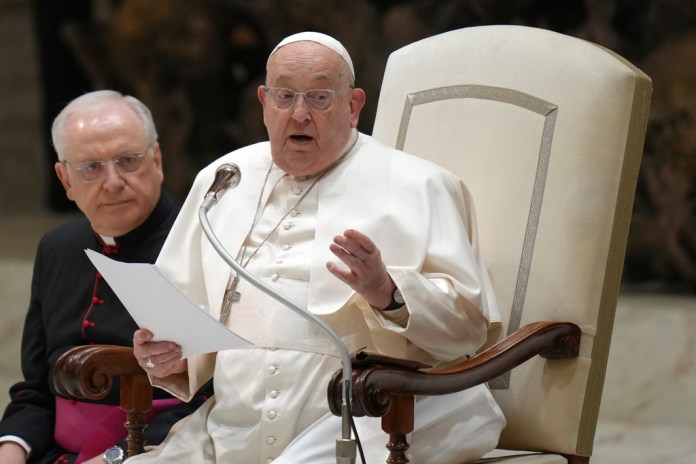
<point x="345" y="446"/>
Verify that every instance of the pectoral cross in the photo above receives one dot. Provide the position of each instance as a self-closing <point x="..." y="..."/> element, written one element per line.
<point x="231" y="296"/>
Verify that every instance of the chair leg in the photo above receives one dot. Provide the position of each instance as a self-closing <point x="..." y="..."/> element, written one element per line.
<point x="397" y="446"/>
<point x="135" y="424"/>
<point x="136" y="400"/>
<point x="398" y="422"/>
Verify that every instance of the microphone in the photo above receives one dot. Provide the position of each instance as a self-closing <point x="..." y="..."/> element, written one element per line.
<point x="226" y="176"/>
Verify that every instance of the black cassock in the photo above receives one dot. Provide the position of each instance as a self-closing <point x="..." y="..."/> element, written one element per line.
<point x="72" y="305"/>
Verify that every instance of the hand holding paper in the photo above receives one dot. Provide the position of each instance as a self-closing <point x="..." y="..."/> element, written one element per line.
<point x="157" y="305"/>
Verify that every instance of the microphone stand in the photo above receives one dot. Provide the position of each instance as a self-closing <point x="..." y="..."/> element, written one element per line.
<point x="345" y="446"/>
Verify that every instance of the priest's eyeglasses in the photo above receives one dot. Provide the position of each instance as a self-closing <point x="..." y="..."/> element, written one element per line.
<point x="316" y="99"/>
<point x="126" y="164"/>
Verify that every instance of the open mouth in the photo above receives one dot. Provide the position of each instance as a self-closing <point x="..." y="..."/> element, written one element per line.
<point x="301" y="138"/>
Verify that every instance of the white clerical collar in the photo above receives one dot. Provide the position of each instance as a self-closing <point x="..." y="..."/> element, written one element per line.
<point x="110" y="241"/>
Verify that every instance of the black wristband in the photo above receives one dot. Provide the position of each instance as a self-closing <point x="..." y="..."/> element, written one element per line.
<point x="397" y="301"/>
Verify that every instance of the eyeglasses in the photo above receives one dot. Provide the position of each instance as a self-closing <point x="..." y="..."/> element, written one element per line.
<point x="316" y="99"/>
<point x="126" y="164"/>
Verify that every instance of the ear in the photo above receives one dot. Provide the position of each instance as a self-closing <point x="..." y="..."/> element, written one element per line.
<point x="357" y="101"/>
<point x="262" y="98"/>
<point x="261" y="94"/>
<point x="62" y="173"/>
<point x="157" y="157"/>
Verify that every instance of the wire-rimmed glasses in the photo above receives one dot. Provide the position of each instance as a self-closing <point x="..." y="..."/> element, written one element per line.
<point x="316" y="99"/>
<point x="126" y="164"/>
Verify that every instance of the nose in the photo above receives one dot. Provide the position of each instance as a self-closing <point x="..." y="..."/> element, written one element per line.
<point x="113" y="180"/>
<point x="300" y="110"/>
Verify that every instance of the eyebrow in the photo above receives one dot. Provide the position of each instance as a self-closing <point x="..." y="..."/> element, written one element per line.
<point x="285" y="79"/>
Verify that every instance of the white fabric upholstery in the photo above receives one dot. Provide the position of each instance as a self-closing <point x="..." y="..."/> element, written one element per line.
<point x="546" y="130"/>
<point x="512" y="457"/>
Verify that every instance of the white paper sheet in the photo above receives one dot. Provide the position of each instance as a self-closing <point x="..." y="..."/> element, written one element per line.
<point x="157" y="305"/>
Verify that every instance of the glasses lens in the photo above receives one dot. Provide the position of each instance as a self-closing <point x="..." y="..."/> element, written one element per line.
<point x="319" y="99"/>
<point x="129" y="163"/>
<point x="90" y="170"/>
<point x="282" y="98"/>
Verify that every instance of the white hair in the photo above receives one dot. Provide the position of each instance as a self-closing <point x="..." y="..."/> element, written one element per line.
<point x="94" y="99"/>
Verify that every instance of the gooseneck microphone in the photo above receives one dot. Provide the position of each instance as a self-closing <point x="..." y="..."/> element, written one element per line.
<point x="227" y="176"/>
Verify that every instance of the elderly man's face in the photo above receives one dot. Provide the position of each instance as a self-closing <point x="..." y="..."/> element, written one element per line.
<point x="305" y="141"/>
<point x="115" y="203"/>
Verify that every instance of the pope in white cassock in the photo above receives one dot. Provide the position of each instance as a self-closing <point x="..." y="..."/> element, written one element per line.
<point x="379" y="244"/>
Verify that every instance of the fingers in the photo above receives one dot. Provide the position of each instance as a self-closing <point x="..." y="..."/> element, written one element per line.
<point x="366" y="273"/>
<point x="357" y="251"/>
<point x="357" y="268"/>
<point x="166" y="357"/>
<point x="356" y="246"/>
<point x="144" y="346"/>
<point x="159" y="358"/>
<point x="365" y="242"/>
<point x="157" y="366"/>
<point x="161" y="364"/>
<point x="162" y="351"/>
<point x="142" y="336"/>
<point x="355" y="264"/>
<point x="342" y="275"/>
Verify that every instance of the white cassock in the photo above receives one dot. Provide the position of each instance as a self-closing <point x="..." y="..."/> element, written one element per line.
<point x="270" y="401"/>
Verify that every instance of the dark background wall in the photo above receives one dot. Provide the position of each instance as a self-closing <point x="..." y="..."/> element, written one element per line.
<point x="197" y="65"/>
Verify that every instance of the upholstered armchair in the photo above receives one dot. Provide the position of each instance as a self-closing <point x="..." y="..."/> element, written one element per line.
<point x="547" y="132"/>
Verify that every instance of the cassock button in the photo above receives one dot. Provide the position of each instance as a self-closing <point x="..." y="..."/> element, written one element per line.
<point x="287" y="226"/>
<point x="274" y="277"/>
<point x="274" y="394"/>
<point x="270" y="440"/>
<point x="272" y="369"/>
<point x="286" y="247"/>
<point x="269" y="460"/>
<point x="272" y="415"/>
<point x="293" y="213"/>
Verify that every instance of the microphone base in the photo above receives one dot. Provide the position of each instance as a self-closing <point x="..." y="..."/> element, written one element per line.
<point x="345" y="451"/>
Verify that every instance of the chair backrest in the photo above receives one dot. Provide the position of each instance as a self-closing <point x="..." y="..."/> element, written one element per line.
<point x="547" y="132"/>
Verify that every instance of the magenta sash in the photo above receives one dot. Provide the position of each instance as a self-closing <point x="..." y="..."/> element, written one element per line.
<point x="88" y="429"/>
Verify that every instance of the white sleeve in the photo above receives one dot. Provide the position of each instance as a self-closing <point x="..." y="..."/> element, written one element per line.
<point x="19" y="441"/>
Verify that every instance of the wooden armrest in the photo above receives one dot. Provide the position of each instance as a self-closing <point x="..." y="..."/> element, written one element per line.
<point x="87" y="372"/>
<point x="376" y="384"/>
